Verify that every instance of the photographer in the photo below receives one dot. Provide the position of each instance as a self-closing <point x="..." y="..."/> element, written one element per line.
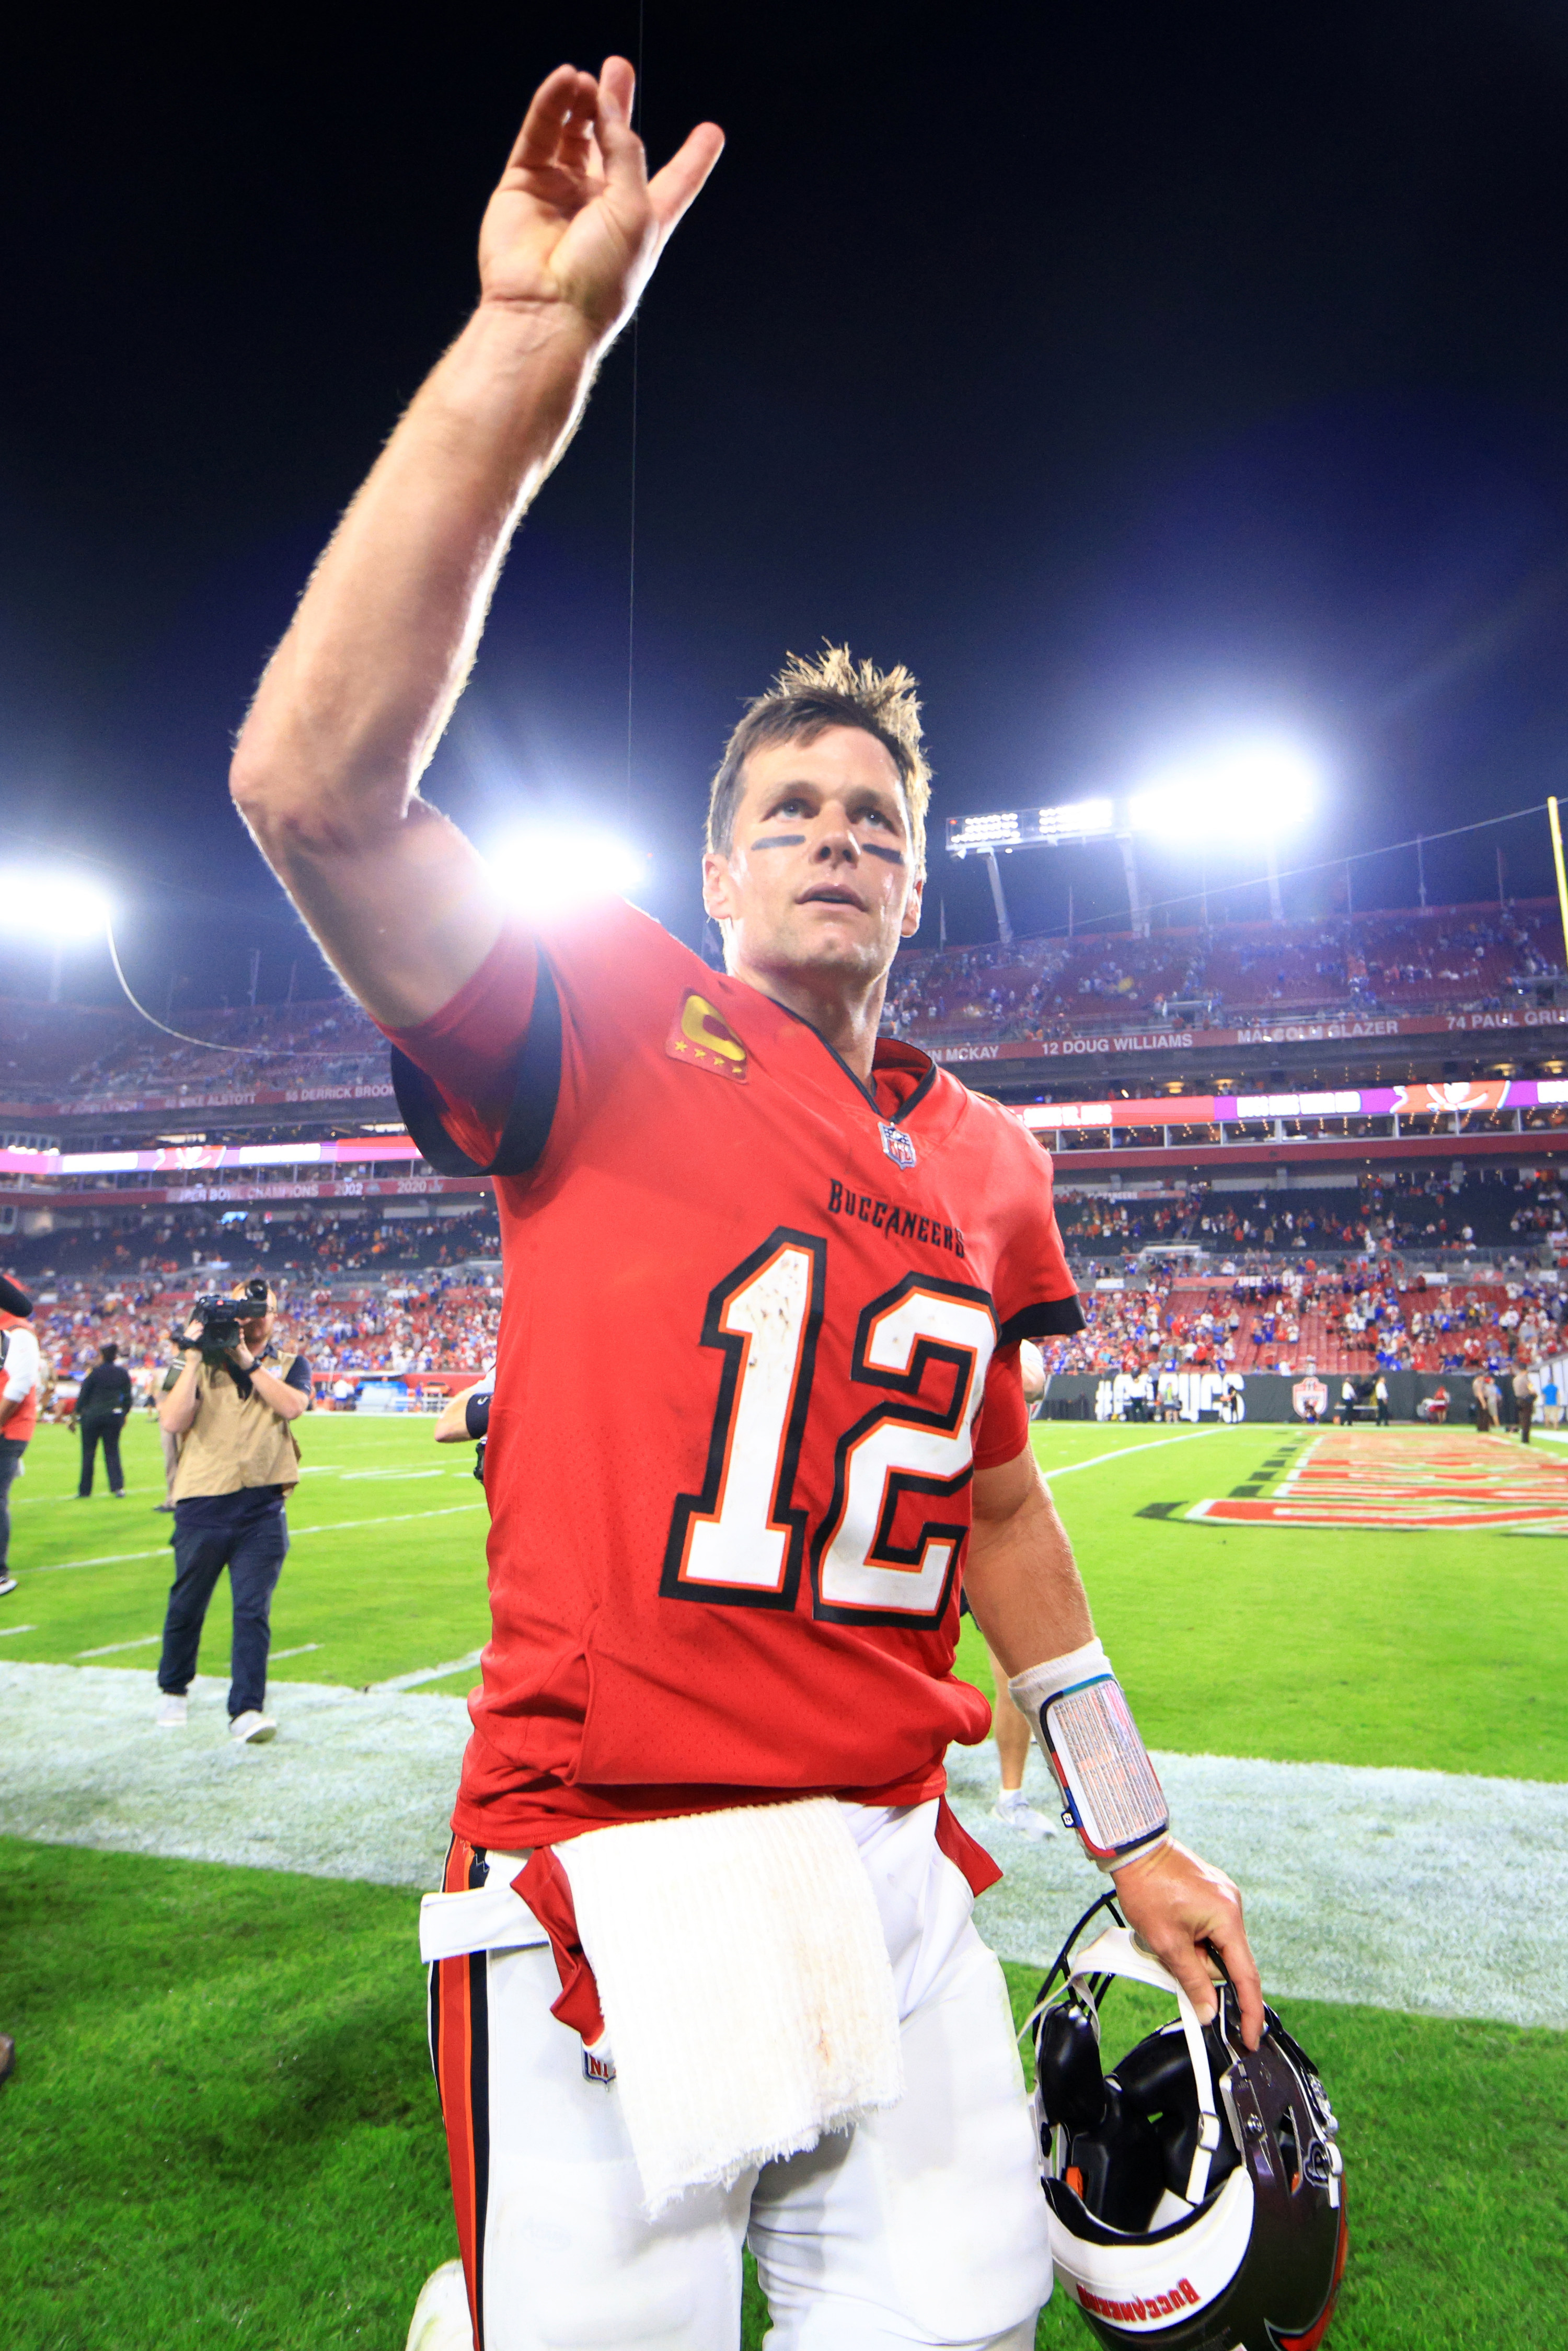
<point x="238" y="1463"/>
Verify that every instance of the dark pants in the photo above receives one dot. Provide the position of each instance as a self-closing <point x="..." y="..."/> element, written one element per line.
<point x="11" y="1451"/>
<point x="106" y="1433"/>
<point x="1383" y="1412"/>
<point x="1526" y="1411"/>
<point x="247" y="1533"/>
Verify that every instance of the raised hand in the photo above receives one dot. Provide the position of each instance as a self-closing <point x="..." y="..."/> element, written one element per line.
<point x="576" y="225"/>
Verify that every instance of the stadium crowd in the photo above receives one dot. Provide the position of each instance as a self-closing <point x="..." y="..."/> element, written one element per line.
<point x="1513" y="1210"/>
<point x="1464" y="958"/>
<point x="441" y="1320"/>
<point x="1357" y="1318"/>
<point x="1270" y="1280"/>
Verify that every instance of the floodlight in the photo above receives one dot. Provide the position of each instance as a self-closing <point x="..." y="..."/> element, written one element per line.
<point x="1046" y="828"/>
<point x="1079" y="821"/>
<point x="977" y="833"/>
<point x="1248" y="789"/>
<point x="546" y="869"/>
<point x="55" y="907"/>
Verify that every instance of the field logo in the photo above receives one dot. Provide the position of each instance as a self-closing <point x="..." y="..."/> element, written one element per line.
<point x="1438" y="1481"/>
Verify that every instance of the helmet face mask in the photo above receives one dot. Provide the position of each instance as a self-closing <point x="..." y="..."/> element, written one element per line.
<point x="1196" y="2193"/>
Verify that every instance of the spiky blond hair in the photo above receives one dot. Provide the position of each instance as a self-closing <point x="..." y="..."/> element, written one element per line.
<point x="806" y="698"/>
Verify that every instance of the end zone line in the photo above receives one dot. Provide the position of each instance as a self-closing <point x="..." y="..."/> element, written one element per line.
<point x="337" y="1527"/>
<point x="1126" y="1452"/>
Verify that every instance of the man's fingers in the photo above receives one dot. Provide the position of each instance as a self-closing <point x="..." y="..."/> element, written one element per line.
<point x="1187" y="1963"/>
<point x="1242" y="1968"/>
<point x="617" y="82"/>
<point x="671" y="191"/>
<point x="563" y="105"/>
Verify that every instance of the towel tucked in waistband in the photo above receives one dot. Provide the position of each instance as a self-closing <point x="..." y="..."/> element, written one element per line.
<point x="745" y="1983"/>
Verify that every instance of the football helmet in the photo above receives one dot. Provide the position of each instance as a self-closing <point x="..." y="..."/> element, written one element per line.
<point x="1195" y="2193"/>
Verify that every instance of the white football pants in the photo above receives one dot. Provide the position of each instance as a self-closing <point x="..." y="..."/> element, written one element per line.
<point x="925" y="2226"/>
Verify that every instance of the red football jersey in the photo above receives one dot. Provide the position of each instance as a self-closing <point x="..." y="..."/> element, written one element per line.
<point x="749" y="1311"/>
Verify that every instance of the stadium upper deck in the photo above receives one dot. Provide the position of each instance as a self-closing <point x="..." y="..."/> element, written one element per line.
<point x="1391" y="993"/>
<point x="1303" y="1055"/>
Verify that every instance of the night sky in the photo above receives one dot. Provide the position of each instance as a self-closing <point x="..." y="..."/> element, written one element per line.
<point x="1134" y="373"/>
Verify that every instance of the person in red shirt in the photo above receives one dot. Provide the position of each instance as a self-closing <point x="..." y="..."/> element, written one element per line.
<point x="724" y="1600"/>
<point x="20" y="1380"/>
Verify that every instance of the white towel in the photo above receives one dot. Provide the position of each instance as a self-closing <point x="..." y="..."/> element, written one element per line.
<point x="744" y="1982"/>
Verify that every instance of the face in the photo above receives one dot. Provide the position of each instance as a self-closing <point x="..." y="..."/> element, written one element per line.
<point x="256" y="1334"/>
<point x="819" y="877"/>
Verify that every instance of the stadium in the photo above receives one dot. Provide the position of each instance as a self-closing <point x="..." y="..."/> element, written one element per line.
<point x="1424" y="1243"/>
<point x="1269" y="976"/>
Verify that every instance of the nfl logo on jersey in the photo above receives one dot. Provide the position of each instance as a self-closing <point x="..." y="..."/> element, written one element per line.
<point x="897" y="1145"/>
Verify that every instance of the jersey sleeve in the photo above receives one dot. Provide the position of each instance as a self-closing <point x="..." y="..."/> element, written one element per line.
<point x="1002" y="1430"/>
<point x="540" y="1030"/>
<point x="1036" y="1296"/>
<point x="298" y="1375"/>
<point x="477" y="1083"/>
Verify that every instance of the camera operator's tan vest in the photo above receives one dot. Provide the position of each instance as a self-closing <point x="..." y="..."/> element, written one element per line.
<point x="234" y="1441"/>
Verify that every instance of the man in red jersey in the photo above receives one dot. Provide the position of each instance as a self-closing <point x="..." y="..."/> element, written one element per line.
<point x="725" y="1603"/>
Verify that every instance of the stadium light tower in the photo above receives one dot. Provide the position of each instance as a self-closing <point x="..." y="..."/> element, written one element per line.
<point x="546" y="869"/>
<point x="1046" y="828"/>
<point x="56" y="908"/>
<point x="1247" y="790"/>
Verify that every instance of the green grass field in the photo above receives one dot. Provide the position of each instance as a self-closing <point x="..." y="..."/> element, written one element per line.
<point x="221" y="2127"/>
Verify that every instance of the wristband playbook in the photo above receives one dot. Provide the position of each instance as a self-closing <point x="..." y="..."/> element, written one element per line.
<point x="1111" y="1793"/>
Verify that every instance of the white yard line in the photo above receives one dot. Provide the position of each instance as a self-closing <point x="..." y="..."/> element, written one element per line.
<point x="1350" y="1873"/>
<point x="429" y="1673"/>
<point x="302" y="1651"/>
<point x="1126" y="1452"/>
<point x="7" y="1630"/>
<point x="109" y="1649"/>
<point x="38" y="1501"/>
<point x="109" y="1558"/>
<point x="338" y="1526"/>
<point x="394" y="1519"/>
<point x="389" y="1476"/>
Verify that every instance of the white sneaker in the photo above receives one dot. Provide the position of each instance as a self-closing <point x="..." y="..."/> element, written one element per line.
<point x="1014" y="1807"/>
<point x="172" y="1711"/>
<point x="7" y="1583"/>
<point x="252" y="1728"/>
<point x="441" y="2320"/>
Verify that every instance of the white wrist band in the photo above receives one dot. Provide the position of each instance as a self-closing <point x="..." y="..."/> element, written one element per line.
<point x="1111" y="1793"/>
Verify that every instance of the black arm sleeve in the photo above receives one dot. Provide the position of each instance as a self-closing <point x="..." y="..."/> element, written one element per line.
<point x="1052" y="1318"/>
<point x="530" y="1117"/>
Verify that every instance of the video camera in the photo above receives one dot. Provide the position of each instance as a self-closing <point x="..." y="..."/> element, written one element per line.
<point x="220" y="1319"/>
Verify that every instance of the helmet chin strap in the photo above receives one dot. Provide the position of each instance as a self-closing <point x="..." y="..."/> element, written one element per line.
<point x="1118" y="1952"/>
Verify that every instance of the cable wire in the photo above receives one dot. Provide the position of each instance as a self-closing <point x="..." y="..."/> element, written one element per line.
<point x="208" y="1044"/>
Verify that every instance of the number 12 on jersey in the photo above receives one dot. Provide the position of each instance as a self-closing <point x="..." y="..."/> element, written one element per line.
<point x="887" y="1549"/>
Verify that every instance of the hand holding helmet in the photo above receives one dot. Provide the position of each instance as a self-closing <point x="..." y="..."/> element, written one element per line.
<point x="1196" y="2193"/>
<point x="1184" y="1910"/>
